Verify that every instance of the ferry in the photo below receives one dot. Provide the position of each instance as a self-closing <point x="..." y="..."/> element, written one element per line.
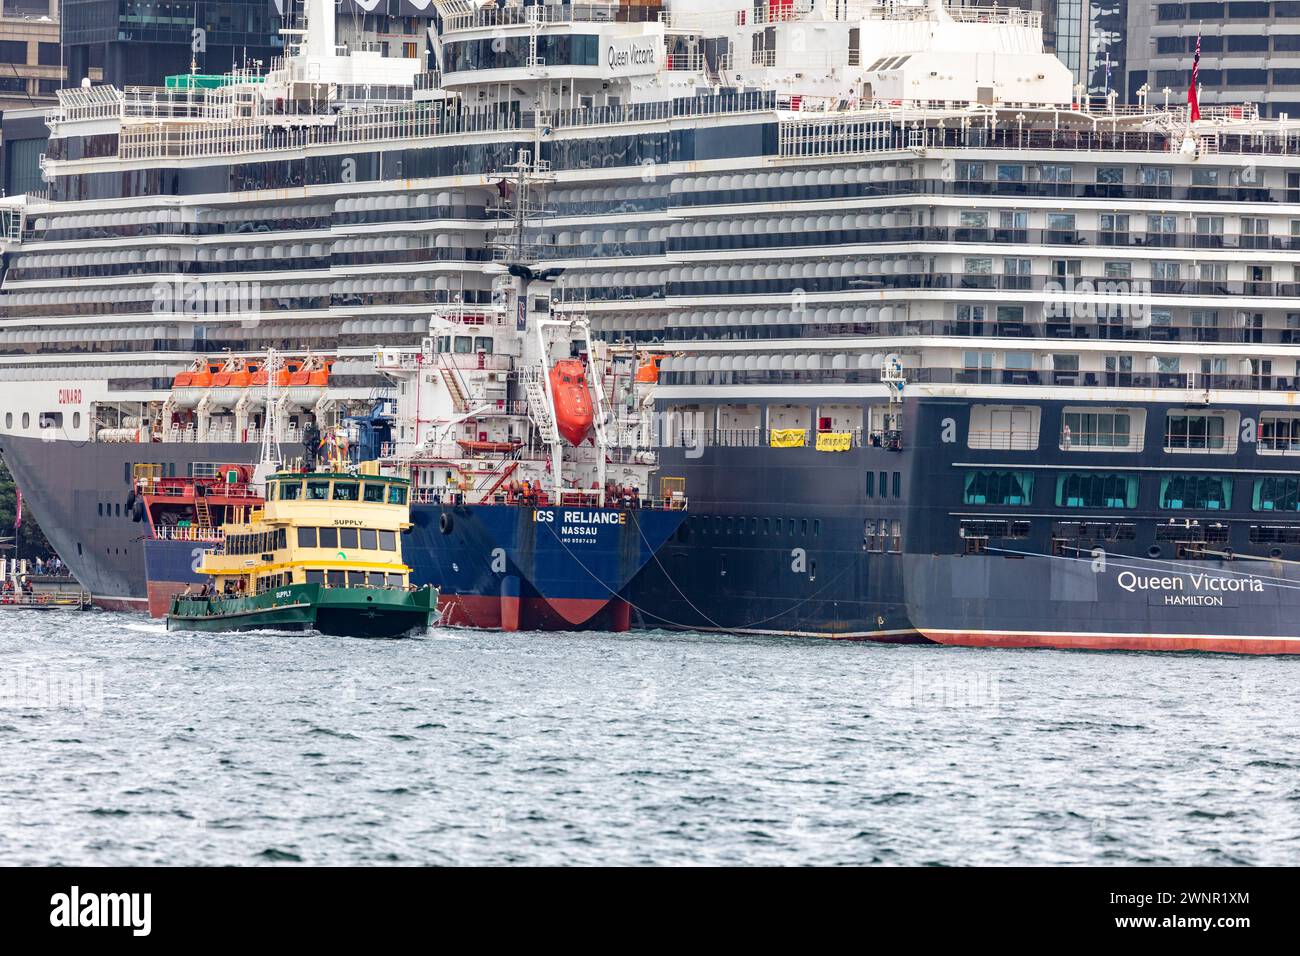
<point x="323" y="553"/>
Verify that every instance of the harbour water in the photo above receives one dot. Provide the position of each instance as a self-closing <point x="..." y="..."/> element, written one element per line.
<point x="123" y="744"/>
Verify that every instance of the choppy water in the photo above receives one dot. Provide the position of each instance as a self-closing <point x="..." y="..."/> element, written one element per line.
<point x="123" y="744"/>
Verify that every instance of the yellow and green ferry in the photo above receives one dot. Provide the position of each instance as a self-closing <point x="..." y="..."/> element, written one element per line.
<point x="324" y="553"/>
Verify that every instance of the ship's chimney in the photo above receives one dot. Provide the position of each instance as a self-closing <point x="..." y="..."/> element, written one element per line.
<point x="320" y="28"/>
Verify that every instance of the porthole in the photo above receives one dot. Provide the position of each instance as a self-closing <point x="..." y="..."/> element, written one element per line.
<point x="1154" y="551"/>
<point x="1275" y="553"/>
<point x="27" y="420"/>
<point x="76" y="419"/>
<point x="9" y="419"/>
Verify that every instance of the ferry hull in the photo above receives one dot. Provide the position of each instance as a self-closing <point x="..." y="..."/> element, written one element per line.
<point x="339" y="612"/>
<point x="515" y="568"/>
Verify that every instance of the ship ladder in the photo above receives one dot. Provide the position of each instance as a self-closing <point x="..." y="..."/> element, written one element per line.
<point x="540" y="407"/>
<point x="202" y="512"/>
<point x="506" y="472"/>
<point x="458" y="399"/>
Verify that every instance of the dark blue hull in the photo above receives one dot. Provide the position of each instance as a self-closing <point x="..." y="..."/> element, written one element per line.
<point x="170" y="567"/>
<point x="1033" y="537"/>
<point x="519" y="568"/>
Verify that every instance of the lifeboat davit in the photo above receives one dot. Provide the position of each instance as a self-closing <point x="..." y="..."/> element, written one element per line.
<point x="573" y="416"/>
<point x="231" y="382"/>
<point x="189" y="387"/>
<point x="307" y="382"/>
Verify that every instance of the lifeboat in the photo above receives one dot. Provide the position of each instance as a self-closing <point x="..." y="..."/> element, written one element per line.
<point x="189" y="387"/>
<point x="648" y="372"/>
<point x="307" y="382"/>
<point x="573" y="415"/>
<point x="231" y="383"/>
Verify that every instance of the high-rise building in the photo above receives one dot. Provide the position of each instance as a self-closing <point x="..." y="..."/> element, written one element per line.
<point x="1250" y="52"/>
<point x="31" y="67"/>
<point x="1089" y="37"/>
<point x="141" y="41"/>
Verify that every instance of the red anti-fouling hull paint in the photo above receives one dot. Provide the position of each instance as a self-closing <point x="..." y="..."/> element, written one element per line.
<point x="531" y="614"/>
<point x="161" y="594"/>
<point x="1118" y="642"/>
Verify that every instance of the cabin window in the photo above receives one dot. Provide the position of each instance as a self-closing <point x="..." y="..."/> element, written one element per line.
<point x="1105" y="429"/>
<point x="388" y="540"/>
<point x="1279" y="434"/>
<point x="369" y="540"/>
<point x="373" y="492"/>
<point x="271" y="491"/>
<point x="1093" y="490"/>
<point x="315" y="577"/>
<point x="464" y="344"/>
<point x="318" y="490"/>
<point x="329" y="537"/>
<point x="483" y="344"/>
<point x="394" y="580"/>
<point x="336" y="579"/>
<point x="1195" y="430"/>
<point x="1199" y="492"/>
<point x="306" y="537"/>
<point x="356" y="579"/>
<point x="345" y="491"/>
<point x="348" y="538"/>
<point x="871" y="484"/>
<point x="898" y="484"/>
<point x="282" y="538"/>
<point x="1276" y="494"/>
<point x="999" y="488"/>
<point x="290" y="490"/>
<point x="396" y="495"/>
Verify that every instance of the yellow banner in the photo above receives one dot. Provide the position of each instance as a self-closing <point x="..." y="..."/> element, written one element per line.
<point x="834" y="441"/>
<point x="788" y="438"/>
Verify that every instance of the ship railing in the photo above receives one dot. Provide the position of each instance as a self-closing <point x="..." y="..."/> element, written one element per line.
<point x="173" y="533"/>
<point x="544" y="14"/>
<point x="1004" y="439"/>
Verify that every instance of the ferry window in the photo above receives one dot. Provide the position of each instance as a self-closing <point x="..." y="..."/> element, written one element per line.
<point x="464" y="344"/>
<point x="396" y="495"/>
<point x="1276" y="494"/>
<point x="345" y="491"/>
<point x="1095" y="430"/>
<point x="337" y="579"/>
<point x="1195" y="430"/>
<point x="271" y="490"/>
<point x="282" y="538"/>
<point x="290" y="490"/>
<point x="369" y="540"/>
<point x="999" y="488"/>
<point x="394" y="580"/>
<point x="329" y="537"/>
<point x="315" y="577"/>
<point x="388" y="540"/>
<point x="373" y="491"/>
<point x="871" y="484"/>
<point x="356" y="579"/>
<point x="306" y="537"/>
<point x="347" y="538"/>
<point x="884" y="486"/>
<point x="483" y="343"/>
<point x="898" y="484"/>
<point x="1092" y="490"/>
<point x="318" y="490"/>
<point x="1200" y="492"/>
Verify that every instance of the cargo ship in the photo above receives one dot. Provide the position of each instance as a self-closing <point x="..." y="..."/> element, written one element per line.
<point x="941" y="348"/>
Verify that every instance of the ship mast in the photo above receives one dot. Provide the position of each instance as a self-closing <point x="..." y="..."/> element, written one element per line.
<point x="269" y="462"/>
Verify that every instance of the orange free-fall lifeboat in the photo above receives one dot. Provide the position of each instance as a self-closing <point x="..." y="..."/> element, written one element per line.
<point x="573" y="414"/>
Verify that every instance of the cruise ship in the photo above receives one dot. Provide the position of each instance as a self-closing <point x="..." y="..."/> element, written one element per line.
<point x="943" y="348"/>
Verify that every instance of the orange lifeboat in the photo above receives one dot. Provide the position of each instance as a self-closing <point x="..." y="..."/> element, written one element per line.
<point x="573" y="415"/>
<point x="259" y="378"/>
<point x="648" y="373"/>
<point x="189" y="385"/>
